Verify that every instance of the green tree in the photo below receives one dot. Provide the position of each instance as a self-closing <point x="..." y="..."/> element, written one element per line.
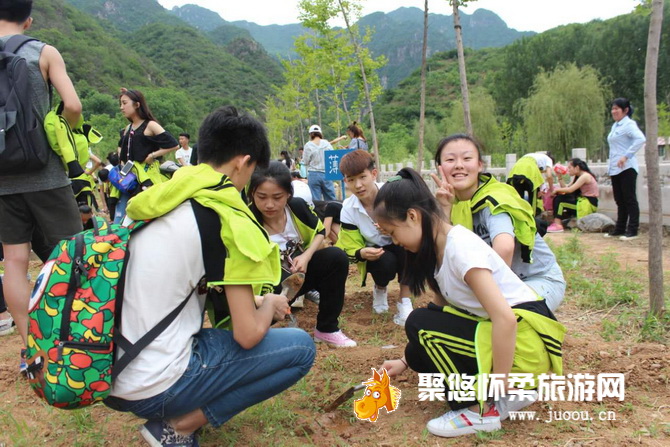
<point x="565" y="110"/>
<point x="395" y="144"/>
<point x="484" y="120"/>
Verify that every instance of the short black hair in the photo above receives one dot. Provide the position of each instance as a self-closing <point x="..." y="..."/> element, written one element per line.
<point x="184" y="134"/>
<point x="85" y="209"/>
<point x="113" y="158"/>
<point x="16" y="11"/>
<point x="103" y="174"/>
<point x="225" y="133"/>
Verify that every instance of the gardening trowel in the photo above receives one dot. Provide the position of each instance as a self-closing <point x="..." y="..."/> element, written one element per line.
<point x="343" y="398"/>
<point x="289" y="288"/>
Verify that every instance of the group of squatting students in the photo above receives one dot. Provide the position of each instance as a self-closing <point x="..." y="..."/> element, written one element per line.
<point x="473" y="245"/>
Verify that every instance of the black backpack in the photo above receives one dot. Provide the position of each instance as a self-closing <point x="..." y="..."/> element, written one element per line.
<point x="23" y="142"/>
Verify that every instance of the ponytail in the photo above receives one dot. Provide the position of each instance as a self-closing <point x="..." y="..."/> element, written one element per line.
<point x="402" y="192"/>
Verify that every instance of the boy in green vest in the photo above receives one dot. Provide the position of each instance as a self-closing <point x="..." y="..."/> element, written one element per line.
<point x="203" y="235"/>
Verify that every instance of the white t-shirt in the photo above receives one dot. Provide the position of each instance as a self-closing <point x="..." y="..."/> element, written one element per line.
<point x="184" y="154"/>
<point x="165" y="264"/>
<point x="301" y="189"/>
<point x="290" y="232"/>
<point x="353" y="213"/>
<point x="464" y="251"/>
<point x="543" y="160"/>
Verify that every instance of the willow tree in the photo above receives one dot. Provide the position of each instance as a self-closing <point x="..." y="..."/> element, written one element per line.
<point x="422" y="100"/>
<point x="461" y="65"/>
<point x="565" y="110"/>
<point x="656" y="299"/>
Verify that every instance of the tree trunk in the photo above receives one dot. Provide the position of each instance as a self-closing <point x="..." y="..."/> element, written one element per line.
<point x="461" y="69"/>
<point x="422" y="106"/>
<point x="373" y="128"/>
<point x="318" y="107"/>
<point x="346" y="108"/>
<point x="656" y="304"/>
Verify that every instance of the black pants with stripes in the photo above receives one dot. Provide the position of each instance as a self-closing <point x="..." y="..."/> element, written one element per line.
<point x="429" y="326"/>
<point x="441" y="342"/>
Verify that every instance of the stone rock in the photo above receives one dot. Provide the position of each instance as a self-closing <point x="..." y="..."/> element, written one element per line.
<point x="595" y="223"/>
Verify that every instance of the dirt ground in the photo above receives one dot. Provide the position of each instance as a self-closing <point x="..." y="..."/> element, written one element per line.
<point x="642" y="418"/>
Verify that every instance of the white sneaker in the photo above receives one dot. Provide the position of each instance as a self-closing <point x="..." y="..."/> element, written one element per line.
<point x="464" y="422"/>
<point x="404" y="309"/>
<point x="515" y="402"/>
<point x="6" y="326"/>
<point x="299" y="302"/>
<point x="380" y="302"/>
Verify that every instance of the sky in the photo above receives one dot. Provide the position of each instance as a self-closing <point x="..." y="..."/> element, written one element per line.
<point x="522" y="15"/>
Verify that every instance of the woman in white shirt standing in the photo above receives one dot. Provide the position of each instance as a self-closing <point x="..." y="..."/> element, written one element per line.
<point x="625" y="139"/>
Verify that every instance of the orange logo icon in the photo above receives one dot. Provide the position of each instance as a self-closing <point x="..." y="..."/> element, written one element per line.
<point x="379" y="393"/>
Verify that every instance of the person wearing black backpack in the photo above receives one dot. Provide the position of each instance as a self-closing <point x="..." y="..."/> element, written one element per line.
<point x="35" y="191"/>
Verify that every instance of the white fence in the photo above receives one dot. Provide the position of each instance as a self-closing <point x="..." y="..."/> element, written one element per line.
<point x="606" y="203"/>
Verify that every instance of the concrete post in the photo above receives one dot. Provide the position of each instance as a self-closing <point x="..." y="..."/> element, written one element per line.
<point x="579" y="153"/>
<point x="510" y="160"/>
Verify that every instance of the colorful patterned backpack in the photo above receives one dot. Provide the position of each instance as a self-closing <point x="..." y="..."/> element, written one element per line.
<point x="74" y="314"/>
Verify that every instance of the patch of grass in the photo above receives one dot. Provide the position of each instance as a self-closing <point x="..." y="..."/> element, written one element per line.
<point x="602" y="284"/>
<point x="16" y="432"/>
<point x="570" y="254"/>
<point x="596" y="283"/>
<point x="655" y="328"/>
<point x="484" y="437"/>
<point x="610" y="330"/>
<point x="332" y="363"/>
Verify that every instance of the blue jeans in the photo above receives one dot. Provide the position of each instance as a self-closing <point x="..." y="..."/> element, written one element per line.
<point x="120" y="210"/>
<point x="222" y="378"/>
<point x="321" y="188"/>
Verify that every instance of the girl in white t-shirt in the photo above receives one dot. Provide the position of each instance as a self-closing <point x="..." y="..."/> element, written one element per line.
<point x="484" y="319"/>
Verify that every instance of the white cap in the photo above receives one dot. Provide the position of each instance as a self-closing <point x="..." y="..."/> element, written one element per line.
<point x="314" y="128"/>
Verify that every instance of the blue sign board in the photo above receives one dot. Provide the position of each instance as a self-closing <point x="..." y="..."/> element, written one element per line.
<point x="332" y="162"/>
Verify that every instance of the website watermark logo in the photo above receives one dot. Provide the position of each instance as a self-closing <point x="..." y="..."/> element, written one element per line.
<point x="379" y="393"/>
<point x="571" y="388"/>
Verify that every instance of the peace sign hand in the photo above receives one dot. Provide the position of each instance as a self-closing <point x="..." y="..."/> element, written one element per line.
<point x="444" y="193"/>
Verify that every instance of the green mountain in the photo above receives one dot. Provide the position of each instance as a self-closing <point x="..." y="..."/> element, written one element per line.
<point x="198" y="17"/>
<point x="616" y="48"/>
<point x="92" y="54"/>
<point x="399" y="36"/>
<point x="223" y="64"/>
<point x="201" y="67"/>
<point x="237" y="41"/>
<point x="127" y="15"/>
<point x="277" y="39"/>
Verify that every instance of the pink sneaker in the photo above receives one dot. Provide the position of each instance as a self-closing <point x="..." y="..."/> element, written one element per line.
<point x="336" y="339"/>
<point x="555" y="228"/>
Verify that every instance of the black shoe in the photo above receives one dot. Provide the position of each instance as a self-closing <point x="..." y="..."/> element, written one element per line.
<point x="629" y="236"/>
<point x="614" y="234"/>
